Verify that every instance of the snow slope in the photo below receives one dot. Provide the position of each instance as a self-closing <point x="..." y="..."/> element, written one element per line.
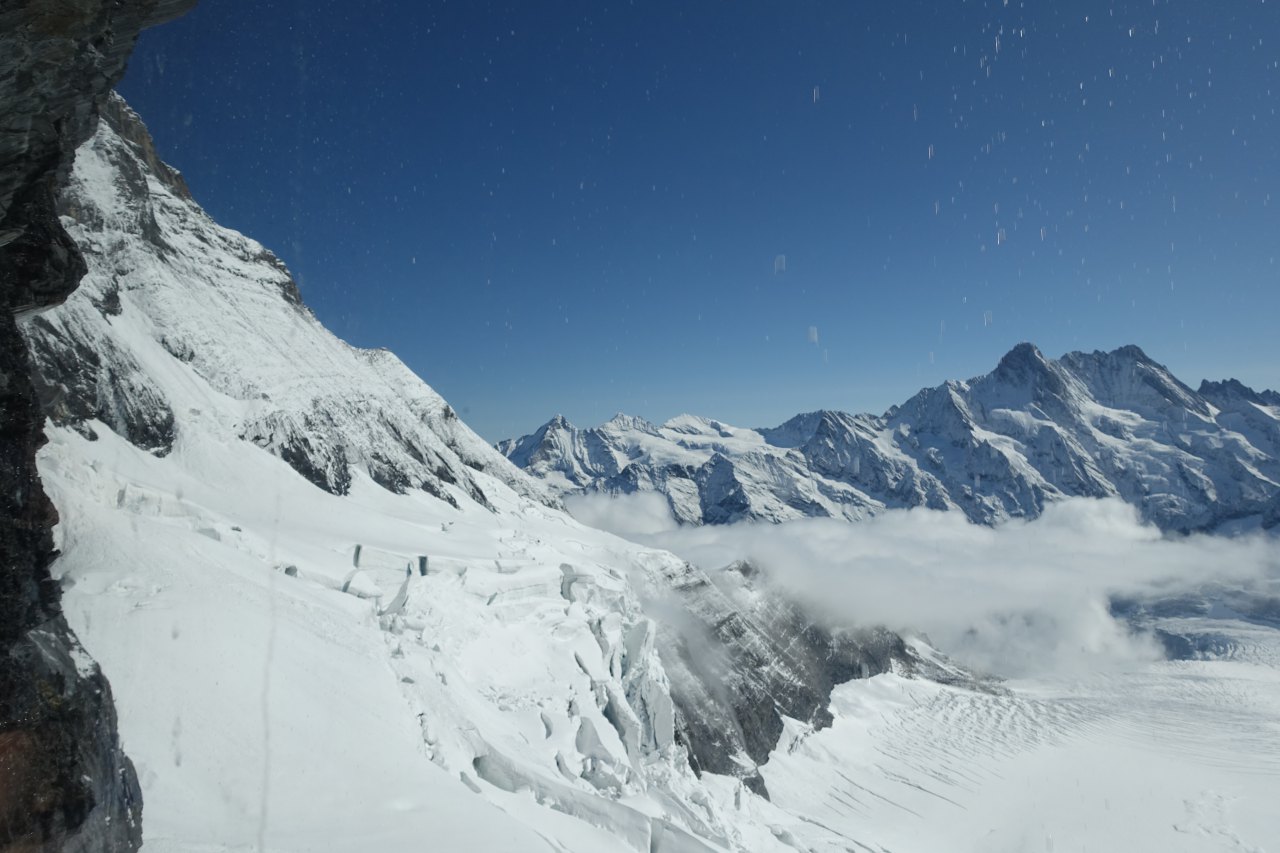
<point x="248" y="507"/>
<point x="263" y="704"/>
<point x="1000" y="446"/>
<point x="269" y="710"/>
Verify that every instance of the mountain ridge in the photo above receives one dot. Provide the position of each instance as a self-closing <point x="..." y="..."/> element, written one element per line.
<point x="289" y="600"/>
<point x="996" y="446"/>
<point x="320" y="404"/>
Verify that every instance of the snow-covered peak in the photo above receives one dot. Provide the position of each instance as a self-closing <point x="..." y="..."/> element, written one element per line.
<point x="182" y="324"/>
<point x="1127" y="378"/>
<point x="559" y="422"/>
<point x="1002" y="445"/>
<point x="1219" y="393"/>
<point x="1025" y="371"/>
<point x="622" y="421"/>
<point x="821" y="426"/>
<point x="1025" y="356"/>
<point x="797" y="430"/>
<point x="693" y="430"/>
<point x="692" y="425"/>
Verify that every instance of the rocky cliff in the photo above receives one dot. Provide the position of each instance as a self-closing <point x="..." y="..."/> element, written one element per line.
<point x="741" y="656"/>
<point x="66" y="784"/>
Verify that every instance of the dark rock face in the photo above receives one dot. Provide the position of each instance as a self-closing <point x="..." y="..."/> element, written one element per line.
<point x="741" y="654"/>
<point x="107" y="386"/>
<point x="64" y="782"/>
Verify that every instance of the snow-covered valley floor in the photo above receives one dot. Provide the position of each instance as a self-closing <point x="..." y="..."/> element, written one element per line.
<point x="1172" y="756"/>
<point x="271" y="710"/>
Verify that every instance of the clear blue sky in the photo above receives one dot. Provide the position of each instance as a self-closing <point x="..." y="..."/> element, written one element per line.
<point x="579" y="207"/>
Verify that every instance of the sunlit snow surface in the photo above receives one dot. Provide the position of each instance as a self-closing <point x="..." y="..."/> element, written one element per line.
<point x="264" y="707"/>
<point x="273" y="709"/>
<point x="1178" y="756"/>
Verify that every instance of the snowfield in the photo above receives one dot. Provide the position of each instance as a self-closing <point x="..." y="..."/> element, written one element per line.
<point x="1176" y="756"/>
<point x="267" y="708"/>
<point x="335" y="620"/>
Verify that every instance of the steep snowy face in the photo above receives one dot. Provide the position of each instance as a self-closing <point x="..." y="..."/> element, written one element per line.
<point x="363" y="667"/>
<point x="174" y="301"/>
<point x="560" y="453"/>
<point x="999" y="446"/>
<point x="496" y="675"/>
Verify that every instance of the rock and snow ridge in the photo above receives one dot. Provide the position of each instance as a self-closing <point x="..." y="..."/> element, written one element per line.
<point x="996" y="447"/>
<point x="245" y="503"/>
<point x="168" y="286"/>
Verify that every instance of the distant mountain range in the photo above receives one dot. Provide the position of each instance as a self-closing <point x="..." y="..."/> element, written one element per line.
<point x="999" y="446"/>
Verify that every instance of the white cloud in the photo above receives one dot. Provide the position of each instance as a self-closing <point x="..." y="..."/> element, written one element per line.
<point x="1019" y="598"/>
<point x="629" y="516"/>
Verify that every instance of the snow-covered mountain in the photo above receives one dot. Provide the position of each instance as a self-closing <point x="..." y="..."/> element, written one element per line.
<point x="999" y="446"/>
<point x="168" y="287"/>
<point x="333" y="615"/>
<point x="334" y="619"/>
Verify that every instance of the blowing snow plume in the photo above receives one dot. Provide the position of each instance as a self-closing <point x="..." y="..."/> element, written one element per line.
<point x="1015" y="599"/>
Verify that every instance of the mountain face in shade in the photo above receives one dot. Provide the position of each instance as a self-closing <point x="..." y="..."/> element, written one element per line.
<point x="65" y="781"/>
<point x="1000" y="446"/>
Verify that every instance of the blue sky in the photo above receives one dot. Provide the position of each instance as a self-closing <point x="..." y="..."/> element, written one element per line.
<point x="743" y="210"/>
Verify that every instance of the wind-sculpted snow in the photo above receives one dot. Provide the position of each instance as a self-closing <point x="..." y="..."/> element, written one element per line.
<point x="1165" y="756"/>
<point x="1000" y="446"/>
<point x="173" y="299"/>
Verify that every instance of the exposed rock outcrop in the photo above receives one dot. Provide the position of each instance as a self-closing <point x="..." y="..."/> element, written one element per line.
<point x="66" y="783"/>
<point x="741" y="654"/>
